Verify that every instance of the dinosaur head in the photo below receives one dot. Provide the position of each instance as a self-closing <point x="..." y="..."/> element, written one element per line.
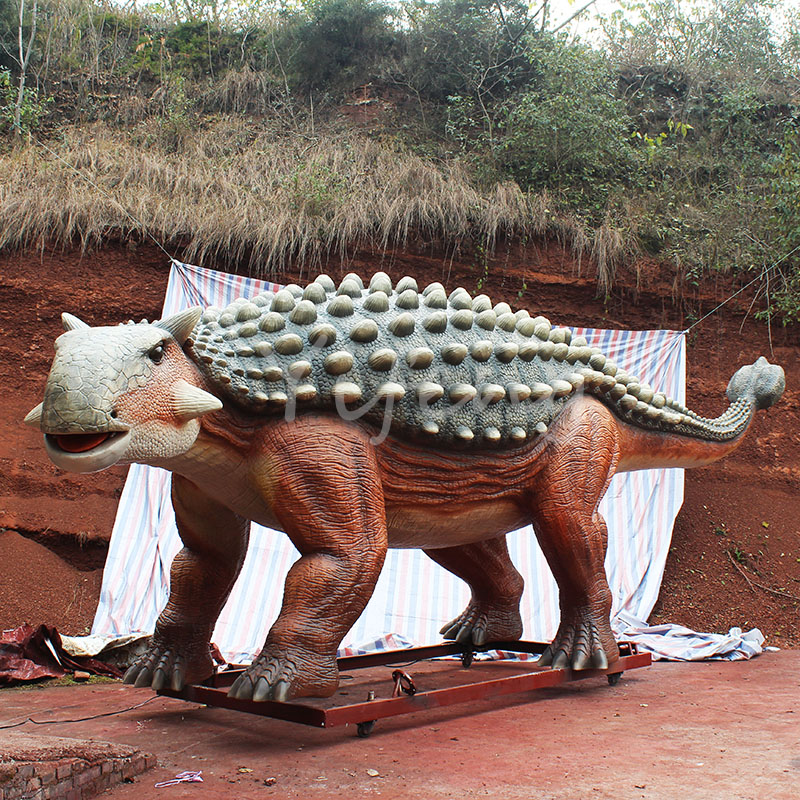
<point x="121" y="394"/>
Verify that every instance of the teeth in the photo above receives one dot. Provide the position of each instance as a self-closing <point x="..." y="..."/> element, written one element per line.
<point x="436" y="322"/>
<point x="364" y="331"/>
<point x="347" y="391"/>
<point x="402" y="325"/>
<point x="428" y="393"/>
<point x="454" y="353"/>
<point x="304" y="313"/>
<point x="283" y="301"/>
<point x="506" y="352"/>
<point x="322" y="335"/>
<point x="338" y="363"/>
<point x="340" y="306"/>
<point x="376" y="303"/>
<point x="419" y="357"/>
<point x="382" y="360"/>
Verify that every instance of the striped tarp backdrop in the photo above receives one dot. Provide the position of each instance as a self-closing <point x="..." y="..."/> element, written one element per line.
<point x="414" y="596"/>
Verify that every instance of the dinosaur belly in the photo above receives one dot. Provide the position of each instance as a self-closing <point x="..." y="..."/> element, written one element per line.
<point x="432" y="528"/>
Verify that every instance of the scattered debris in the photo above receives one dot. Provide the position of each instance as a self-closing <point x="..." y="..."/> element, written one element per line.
<point x="189" y="776"/>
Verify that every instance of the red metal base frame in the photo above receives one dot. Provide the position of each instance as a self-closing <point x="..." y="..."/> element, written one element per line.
<point x="406" y="698"/>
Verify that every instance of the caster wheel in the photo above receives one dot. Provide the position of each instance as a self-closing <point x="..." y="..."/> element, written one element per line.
<point x="364" y="729"/>
<point x="613" y="679"/>
<point x="467" y="658"/>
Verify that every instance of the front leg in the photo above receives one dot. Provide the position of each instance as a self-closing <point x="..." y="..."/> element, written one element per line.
<point x="322" y="480"/>
<point x="201" y="578"/>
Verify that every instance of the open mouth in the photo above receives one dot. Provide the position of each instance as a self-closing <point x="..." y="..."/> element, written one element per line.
<point x="80" y="442"/>
<point x="86" y="452"/>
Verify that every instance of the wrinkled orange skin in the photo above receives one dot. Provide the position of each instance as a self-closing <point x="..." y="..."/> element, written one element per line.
<point x="343" y="500"/>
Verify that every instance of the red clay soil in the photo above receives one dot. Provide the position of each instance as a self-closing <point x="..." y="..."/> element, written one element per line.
<point x="735" y="557"/>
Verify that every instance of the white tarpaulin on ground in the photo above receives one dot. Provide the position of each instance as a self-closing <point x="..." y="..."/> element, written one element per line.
<point x="414" y="596"/>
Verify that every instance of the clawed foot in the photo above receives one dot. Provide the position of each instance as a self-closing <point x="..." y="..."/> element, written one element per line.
<point x="579" y="644"/>
<point x="164" y="666"/>
<point x="484" y="622"/>
<point x="274" y="677"/>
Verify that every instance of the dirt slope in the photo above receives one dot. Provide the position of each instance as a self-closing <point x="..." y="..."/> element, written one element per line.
<point x="738" y="527"/>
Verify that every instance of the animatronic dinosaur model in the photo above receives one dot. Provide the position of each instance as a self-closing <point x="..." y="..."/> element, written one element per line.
<point x="359" y="419"/>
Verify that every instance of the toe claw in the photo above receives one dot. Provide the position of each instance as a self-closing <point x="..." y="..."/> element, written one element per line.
<point x="599" y="659"/>
<point x="262" y="690"/>
<point x="560" y="660"/>
<point x="159" y="678"/>
<point x="130" y="674"/>
<point x="143" y="678"/>
<point x="281" y="692"/>
<point x="241" y="689"/>
<point x="546" y="658"/>
<point x="464" y="636"/>
<point x="451" y="631"/>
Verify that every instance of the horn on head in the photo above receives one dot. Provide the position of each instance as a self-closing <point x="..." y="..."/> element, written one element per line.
<point x="180" y="325"/>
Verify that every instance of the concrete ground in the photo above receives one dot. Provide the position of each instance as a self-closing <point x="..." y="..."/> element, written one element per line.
<point x="705" y="730"/>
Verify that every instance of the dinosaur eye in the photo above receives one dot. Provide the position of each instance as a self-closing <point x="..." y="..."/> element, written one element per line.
<point x="156" y="353"/>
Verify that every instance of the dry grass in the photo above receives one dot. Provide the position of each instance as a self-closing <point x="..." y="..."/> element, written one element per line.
<point x="234" y="195"/>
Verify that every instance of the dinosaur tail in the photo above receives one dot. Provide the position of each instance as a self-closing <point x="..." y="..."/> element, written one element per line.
<point x="680" y="437"/>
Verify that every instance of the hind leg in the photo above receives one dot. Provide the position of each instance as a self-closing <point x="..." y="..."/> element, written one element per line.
<point x="580" y="462"/>
<point x="493" y="611"/>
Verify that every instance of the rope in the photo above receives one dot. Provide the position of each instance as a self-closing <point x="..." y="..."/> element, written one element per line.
<point x="763" y="274"/>
<point x="105" y="194"/>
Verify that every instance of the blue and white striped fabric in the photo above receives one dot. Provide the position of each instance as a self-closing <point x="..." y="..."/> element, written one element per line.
<point x="414" y="596"/>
